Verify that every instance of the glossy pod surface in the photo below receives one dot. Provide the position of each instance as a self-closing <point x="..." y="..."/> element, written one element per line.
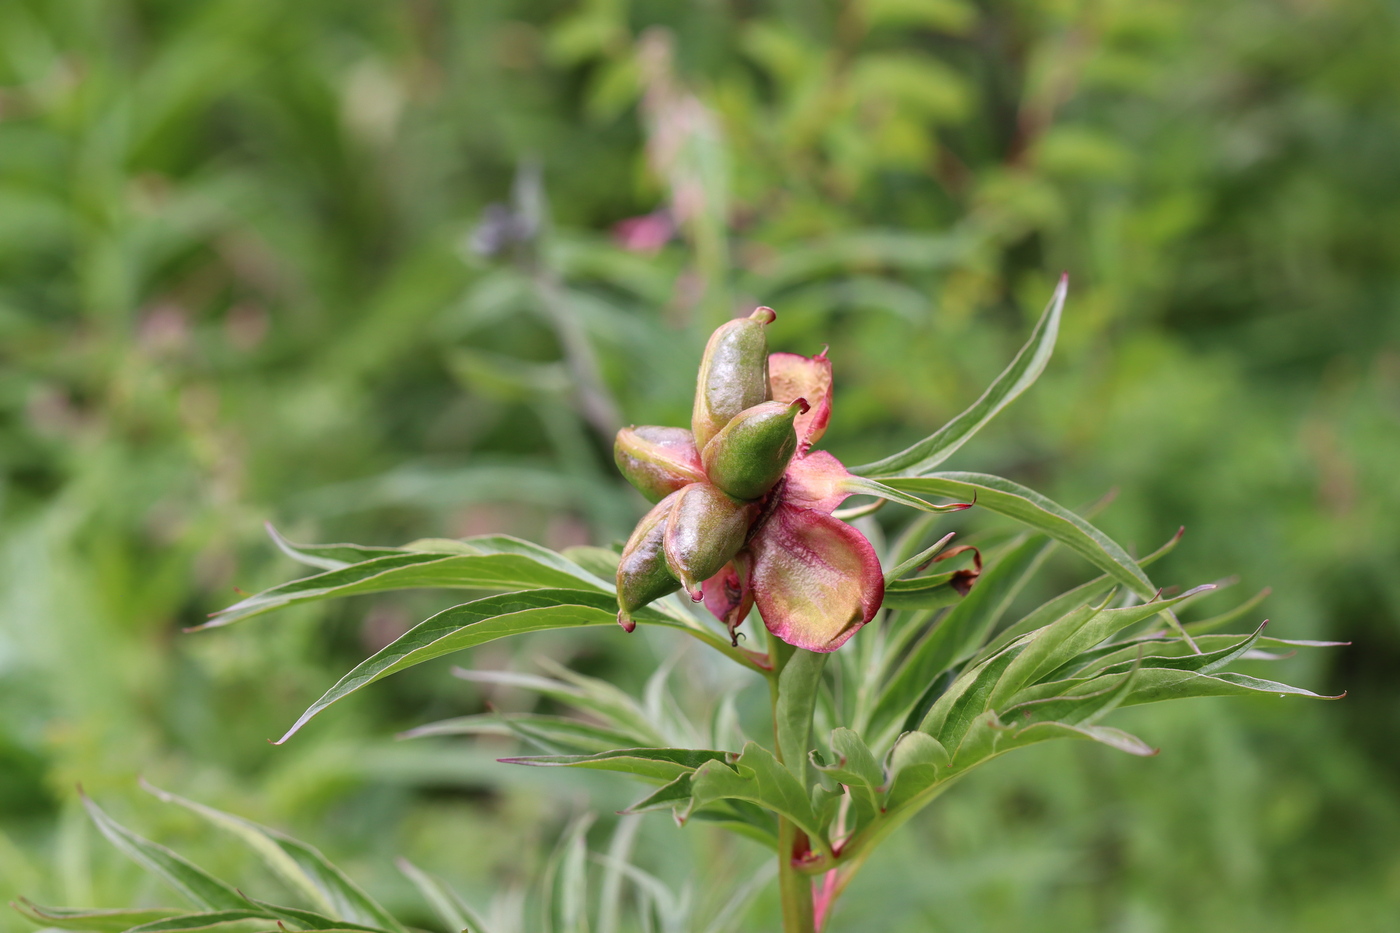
<point x="733" y="374"/>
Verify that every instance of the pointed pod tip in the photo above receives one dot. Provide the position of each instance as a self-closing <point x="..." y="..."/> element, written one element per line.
<point x="628" y="623"/>
<point x="801" y="405"/>
<point x="763" y="315"/>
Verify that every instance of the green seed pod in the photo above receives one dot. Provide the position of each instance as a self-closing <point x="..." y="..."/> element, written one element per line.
<point x="733" y="374"/>
<point x="751" y="453"/>
<point x="642" y="574"/>
<point x="704" y="533"/>
<point x="658" y="461"/>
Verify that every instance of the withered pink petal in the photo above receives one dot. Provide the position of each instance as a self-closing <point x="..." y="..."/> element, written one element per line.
<point x="792" y="376"/>
<point x="729" y="595"/>
<point x="814" y="482"/>
<point x="816" y="580"/>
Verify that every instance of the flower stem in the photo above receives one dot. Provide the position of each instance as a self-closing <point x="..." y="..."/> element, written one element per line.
<point x="794" y="887"/>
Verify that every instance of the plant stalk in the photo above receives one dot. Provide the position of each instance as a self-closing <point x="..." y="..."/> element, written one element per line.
<point x="794" y="887"/>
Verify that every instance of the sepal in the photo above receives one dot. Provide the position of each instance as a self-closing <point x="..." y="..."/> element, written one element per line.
<point x="729" y="593"/>
<point x="816" y="481"/>
<point x="816" y="580"/>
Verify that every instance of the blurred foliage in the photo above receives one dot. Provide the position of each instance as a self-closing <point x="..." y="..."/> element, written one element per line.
<point x="243" y="276"/>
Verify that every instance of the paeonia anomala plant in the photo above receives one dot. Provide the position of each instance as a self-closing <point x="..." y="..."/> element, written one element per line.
<point x="934" y="678"/>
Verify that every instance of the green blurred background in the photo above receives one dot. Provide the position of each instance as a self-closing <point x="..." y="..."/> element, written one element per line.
<point x="245" y="276"/>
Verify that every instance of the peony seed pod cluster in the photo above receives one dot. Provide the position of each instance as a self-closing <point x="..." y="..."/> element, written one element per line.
<point x="743" y="513"/>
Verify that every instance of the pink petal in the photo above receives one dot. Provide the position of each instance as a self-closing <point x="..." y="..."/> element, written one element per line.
<point x="644" y="234"/>
<point x="814" y="482"/>
<point x="791" y="377"/>
<point x="729" y="595"/>
<point x="816" y="580"/>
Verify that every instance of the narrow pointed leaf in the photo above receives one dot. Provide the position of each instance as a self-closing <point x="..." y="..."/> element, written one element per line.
<point x="1077" y="631"/>
<point x="1091" y="591"/>
<point x="455" y="913"/>
<point x="309" y="919"/>
<point x="328" y="556"/>
<point x="300" y="865"/>
<point x="960" y="632"/>
<point x="190" y="880"/>
<point x="1023" y="371"/>
<point x="100" y="921"/>
<point x="860" y="486"/>
<point x="1156" y="685"/>
<point x="410" y="570"/>
<point x="1104" y="735"/>
<point x="615" y="708"/>
<point x="1204" y="626"/>
<point x="559" y="734"/>
<point x="1207" y="662"/>
<point x="1031" y="508"/>
<point x="204" y="921"/>
<point x="660" y="764"/>
<point x="950" y="722"/>
<point x="477" y="623"/>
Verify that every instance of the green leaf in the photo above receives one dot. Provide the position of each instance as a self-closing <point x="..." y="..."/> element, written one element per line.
<point x="101" y="921"/>
<point x="933" y="591"/>
<point x="1156" y="685"/>
<point x="919" y="559"/>
<point x="860" y="486"/>
<point x="556" y="734"/>
<point x="798" y="685"/>
<point x="1105" y="735"/>
<point x="916" y="763"/>
<point x="599" y="561"/>
<point x="1081" y="595"/>
<point x="455" y="914"/>
<point x="309" y="919"/>
<point x="952" y="716"/>
<point x="565" y="881"/>
<point x="202" y="921"/>
<point x="1202" y="626"/>
<point x="1031" y="508"/>
<point x="195" y="883"/>
<point x="1083" y="628"/>
<point x="328" y="556"/>
<point x="674" y="795"/>
<point x="855" y="766"/>
<point x="660" y="764"/>
<point x="476" y="623"/>
<point x="410" y="570"/>
<point x="615" y="708"/>
<point x="759" y="778"/>
<point x="1207" y="662"/>
<point x="960" y="632"/>
<point x="1023" y="371"/>
<point x="301" y="866"/>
